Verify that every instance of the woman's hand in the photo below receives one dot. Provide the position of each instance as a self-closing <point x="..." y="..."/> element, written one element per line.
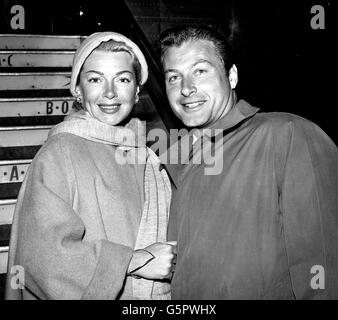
<point x="161" y="265"/>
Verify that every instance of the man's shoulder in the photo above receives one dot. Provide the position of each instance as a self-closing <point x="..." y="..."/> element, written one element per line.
<point x="281" y="118"/>
<point x="283" y="126"/>
<point x="282" y="122"/>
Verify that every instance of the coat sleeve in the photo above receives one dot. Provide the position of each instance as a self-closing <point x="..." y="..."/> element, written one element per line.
<point x="308" y="171"/>
<point x="48" y="238"/>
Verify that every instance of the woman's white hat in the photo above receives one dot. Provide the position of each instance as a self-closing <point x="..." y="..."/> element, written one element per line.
<point x="92" y="42"/>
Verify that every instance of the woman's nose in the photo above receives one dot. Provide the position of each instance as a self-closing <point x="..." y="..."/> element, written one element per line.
<point x="109" y="91"/>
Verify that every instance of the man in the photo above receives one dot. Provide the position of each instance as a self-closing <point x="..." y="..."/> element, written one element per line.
<point x="266" y="225"/>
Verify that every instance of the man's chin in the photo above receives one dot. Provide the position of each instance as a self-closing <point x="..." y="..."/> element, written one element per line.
<point x="191" y="122"/>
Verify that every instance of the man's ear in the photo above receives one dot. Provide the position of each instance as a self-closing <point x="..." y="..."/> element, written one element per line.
<point x="233" y="76"/>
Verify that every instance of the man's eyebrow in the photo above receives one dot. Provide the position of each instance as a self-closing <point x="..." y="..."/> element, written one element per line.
<point x="196" y="63"/>
<point x="170" y="70"/>
<point x="201" y="61"/>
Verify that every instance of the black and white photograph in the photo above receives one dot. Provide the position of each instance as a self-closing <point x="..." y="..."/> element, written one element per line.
<point x="177" y="151"/>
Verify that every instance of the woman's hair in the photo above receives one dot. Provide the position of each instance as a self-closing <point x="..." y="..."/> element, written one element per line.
<point x="114" y="46"/>
<point x="178" y="35"/>
<point x="119" y="46"/>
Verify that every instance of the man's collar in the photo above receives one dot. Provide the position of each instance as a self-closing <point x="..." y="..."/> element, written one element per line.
<point x="239" y="112"/>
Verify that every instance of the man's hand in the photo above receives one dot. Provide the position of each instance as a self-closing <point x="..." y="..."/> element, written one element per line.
<point x="158" y="268"/>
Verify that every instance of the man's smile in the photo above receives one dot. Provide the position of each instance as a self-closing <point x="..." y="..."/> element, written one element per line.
<point x="193" y="104"/>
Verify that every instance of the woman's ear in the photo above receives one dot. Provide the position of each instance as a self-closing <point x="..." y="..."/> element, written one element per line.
<point x="78" y="99"/>
<point x="233" y="76"/>
<point x="137" y="98"/>
<point x="78" y="92"/>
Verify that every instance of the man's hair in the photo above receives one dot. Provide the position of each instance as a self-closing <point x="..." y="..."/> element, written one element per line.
<point x="178" y="35"/>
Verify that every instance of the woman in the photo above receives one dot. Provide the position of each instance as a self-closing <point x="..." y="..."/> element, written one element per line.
<point x="83" y="213"/>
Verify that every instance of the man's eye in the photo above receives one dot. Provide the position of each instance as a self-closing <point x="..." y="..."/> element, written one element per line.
<point x="172" y="79"/>
<point x="200" y="71"/>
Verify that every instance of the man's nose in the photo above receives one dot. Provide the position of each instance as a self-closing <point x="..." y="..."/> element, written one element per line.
<point x="188" y="87"/>
<point x="109" y="91"/>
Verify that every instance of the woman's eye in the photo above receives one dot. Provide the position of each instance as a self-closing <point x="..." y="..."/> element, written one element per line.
<point x="124" y="80"/>
<point x="94" y="80"/>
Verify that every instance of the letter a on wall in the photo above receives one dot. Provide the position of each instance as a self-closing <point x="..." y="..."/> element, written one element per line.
<point x="18" y="20"/>
<point x="318" y="280"/>
<point x="318" y="20"/>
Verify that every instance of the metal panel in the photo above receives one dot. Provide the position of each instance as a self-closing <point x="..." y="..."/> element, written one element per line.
<point x="20" y="152"/>
<point x="36" y="58"/>
<point x="3" y="259"/>
<point x="6" y="211"/>
<point x="9" y="191"/>
<point x="27" y="107"/>
<point x="23" y="136"/>
<point x="13" y="171"/>
<point x="37" y="42"/>
<point x="34" y="80"/>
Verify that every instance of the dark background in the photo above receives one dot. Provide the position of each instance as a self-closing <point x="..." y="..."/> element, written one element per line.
<point x="284" y="64"/>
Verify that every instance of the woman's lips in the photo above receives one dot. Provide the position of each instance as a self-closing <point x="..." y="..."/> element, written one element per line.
<point x="110" y="108"/>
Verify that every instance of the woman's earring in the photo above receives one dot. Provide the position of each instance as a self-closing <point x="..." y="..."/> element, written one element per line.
<point x="77" y="104"/>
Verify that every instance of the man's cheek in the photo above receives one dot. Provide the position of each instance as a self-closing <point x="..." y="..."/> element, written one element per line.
<point x="172" y="98"/>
